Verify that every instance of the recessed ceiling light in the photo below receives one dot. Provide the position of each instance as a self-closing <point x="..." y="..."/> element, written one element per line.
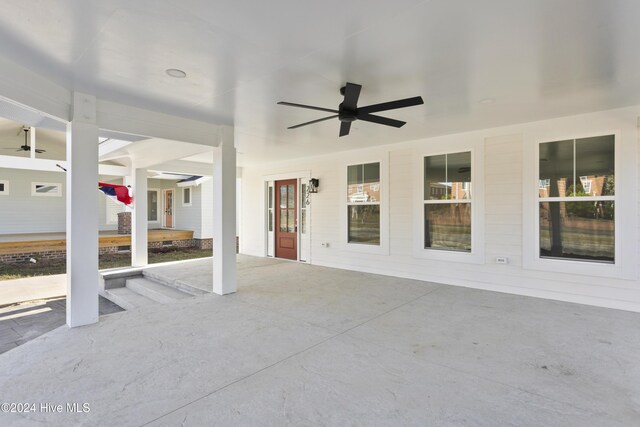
<point x="486" y="101"/>
<point x="174" y="72"/>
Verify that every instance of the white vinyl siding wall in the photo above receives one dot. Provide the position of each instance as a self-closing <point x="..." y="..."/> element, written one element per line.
<point x="505" y="214"/>
<point x="20" y="212"/>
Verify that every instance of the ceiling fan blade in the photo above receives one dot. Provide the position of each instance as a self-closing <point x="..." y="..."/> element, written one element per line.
<point x="380" y="120"/>
<point x="351" y="95"/>
<point x="38" y="150"/>
<point x="310" y="107"/>
<point x="345" y="127"/>
<point x="312" y="122"/>
<point x="391" y="105"/>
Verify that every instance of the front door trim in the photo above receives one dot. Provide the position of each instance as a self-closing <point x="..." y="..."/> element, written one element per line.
<point x="164" y="208"/>
<point x="304" y="240"/>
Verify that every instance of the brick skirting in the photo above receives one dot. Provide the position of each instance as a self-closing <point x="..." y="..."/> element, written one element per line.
<point x="49" y="255"/>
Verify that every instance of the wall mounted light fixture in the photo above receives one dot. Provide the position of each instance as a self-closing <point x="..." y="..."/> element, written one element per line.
<point x="314" y="183"/>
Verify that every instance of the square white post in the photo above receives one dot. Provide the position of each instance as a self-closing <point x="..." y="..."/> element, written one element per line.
<point x="224" y="213"/>
<point x="82" y="212"/>
<point x="139" y="227"/>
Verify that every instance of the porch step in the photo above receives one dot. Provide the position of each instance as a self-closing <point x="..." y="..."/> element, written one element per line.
<point x="172" y="283"/>
<point x="127" y="299"/>
<point x="155" y="291"/>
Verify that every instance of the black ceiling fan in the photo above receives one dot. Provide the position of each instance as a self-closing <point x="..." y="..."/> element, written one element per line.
<point x="26" y="146"/>
<point x="348" y="110"/>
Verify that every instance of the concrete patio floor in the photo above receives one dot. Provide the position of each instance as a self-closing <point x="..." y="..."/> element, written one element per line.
<point x="307" y="345"/>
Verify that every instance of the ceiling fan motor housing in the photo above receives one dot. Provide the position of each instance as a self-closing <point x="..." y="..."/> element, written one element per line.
<point x="345" y="115"/>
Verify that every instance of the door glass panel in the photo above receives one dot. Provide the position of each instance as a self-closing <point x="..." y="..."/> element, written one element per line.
<point x="304" y="197"/>
<point x="291" y="201"/>
<point x="283" y="220"/>
<point x="270" y="197"/>
<point x="291" y="219"/>
<point x="303" y="221"/>
<point x="283" y="196"/>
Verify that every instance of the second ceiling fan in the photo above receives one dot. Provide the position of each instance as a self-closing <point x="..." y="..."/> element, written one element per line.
<point x="349" y="112"/>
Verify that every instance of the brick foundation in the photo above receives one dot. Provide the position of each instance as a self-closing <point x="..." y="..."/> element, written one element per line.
<point x="124" y="222"/>
<point x="50" y="255"/>
<point x="203" y="243"/>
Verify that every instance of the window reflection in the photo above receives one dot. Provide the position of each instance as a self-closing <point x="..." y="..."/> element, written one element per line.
<point x="577" y="230"/>
<point x="448" y="226"/>
<point x="364" y="224"/>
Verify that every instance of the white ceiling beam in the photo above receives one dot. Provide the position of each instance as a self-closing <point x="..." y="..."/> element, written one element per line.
<point x="110" y="146"/>
<point x="184" y="167"/>
<point x="114" y="170"/>
<point x="26" y="163"/>
<point x="30" y="98"/>
<point x="14" y="162"/>
<point x="137" y="121"/>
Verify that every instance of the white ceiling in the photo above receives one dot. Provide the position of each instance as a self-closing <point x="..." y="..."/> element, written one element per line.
<point x="535" y="58"/>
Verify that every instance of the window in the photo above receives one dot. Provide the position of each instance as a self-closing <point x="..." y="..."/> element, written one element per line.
<point x="152" y="205"/>
<point x="447" y="202"/>
<point x="363" y="204"/>
<point x="46" y="189"/>
<point x="4" y="188"/>
<point x="576" y="206"/>
<point x="186" y="196"/>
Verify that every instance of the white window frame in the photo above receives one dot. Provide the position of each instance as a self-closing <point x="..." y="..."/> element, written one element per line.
<point x="4" y="192"/>
<point x="190" y="196"/>
<point x="57" y="194"/>
<point x="381" y="157"/>
<point x="624" y="265"/>
<point x="158" y="206"/>
<point x="476" y="147"/>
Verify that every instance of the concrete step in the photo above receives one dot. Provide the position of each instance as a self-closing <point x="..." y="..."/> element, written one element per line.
<point x="127" y="299"/>
<point x="155" y="291"/>
<point x="176" y="284"/>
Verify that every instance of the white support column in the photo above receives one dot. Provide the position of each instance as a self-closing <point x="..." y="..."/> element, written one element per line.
<point x="82" y="212"/>
<point x="224" y="214"/>
<point x="139" y="227"/>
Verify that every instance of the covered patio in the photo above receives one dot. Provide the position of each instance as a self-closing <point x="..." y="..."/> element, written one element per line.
<point x="308" y="345"/>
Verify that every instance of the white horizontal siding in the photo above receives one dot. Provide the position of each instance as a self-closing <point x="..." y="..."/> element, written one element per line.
<point x="20" y="212"/>
<point x="503" y="218"/>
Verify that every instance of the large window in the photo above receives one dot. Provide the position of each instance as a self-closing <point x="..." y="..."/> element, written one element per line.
<point x="447" y="202"/>
<point x="576" y="190"/>
<point x="363" y="203"/>
<point x="152" y="205"/>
